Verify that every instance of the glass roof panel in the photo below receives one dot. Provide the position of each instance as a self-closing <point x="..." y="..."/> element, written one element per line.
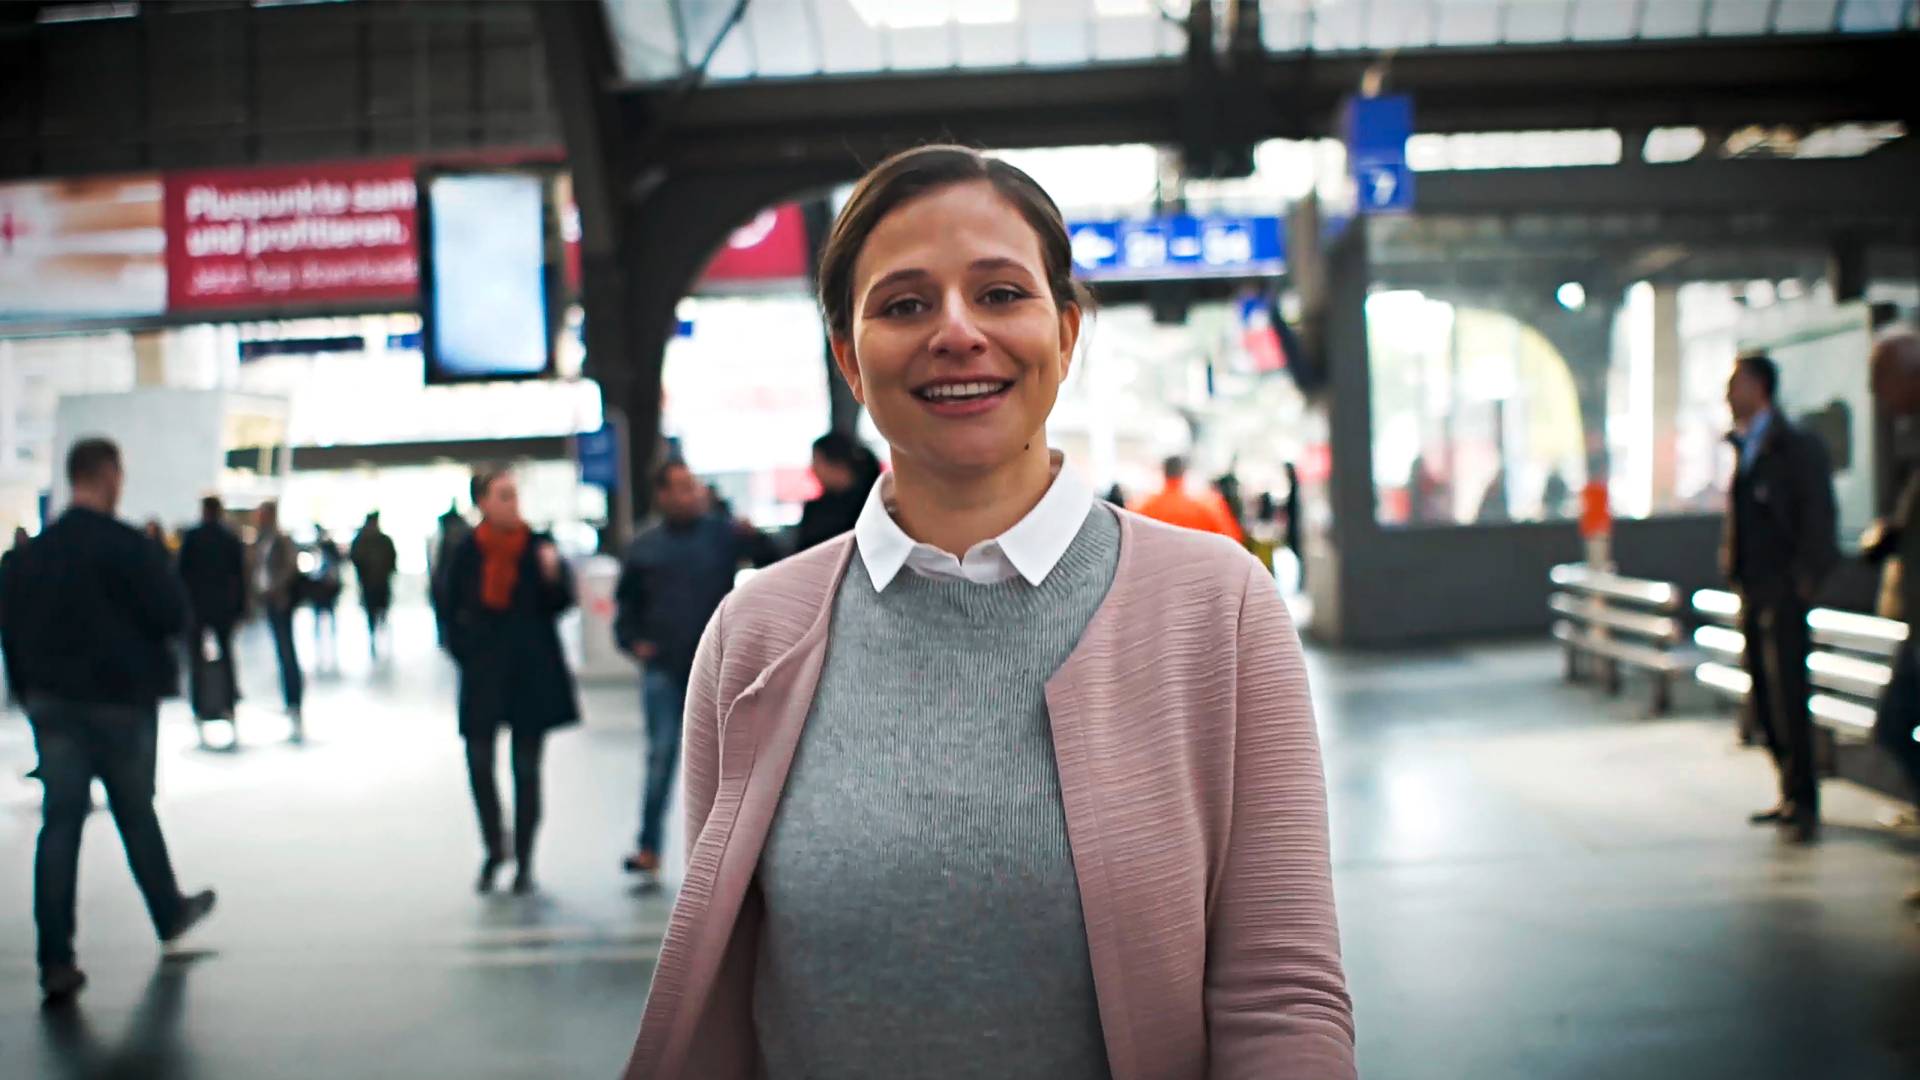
<point x="1464" y="23"/>
<point x="1673" y="19"/>
<point x="660" y="39"/>
<point x="1806" y="17"/>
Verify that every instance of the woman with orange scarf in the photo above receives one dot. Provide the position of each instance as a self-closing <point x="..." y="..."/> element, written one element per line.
<point x="504" y="589"/>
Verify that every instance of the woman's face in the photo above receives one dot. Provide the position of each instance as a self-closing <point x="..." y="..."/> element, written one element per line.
<point x="500" y="506"/>
<point x="957" y="345"/>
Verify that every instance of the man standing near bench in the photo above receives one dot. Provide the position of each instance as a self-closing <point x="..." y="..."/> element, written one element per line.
<point x="1779" y="549"/>
<point x="1895" y="544"/>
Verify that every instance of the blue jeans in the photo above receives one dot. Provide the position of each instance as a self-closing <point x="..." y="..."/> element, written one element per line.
<point x="663" y="697"/>
<point x="77" y="742"/>
<point x="293" y="684"/>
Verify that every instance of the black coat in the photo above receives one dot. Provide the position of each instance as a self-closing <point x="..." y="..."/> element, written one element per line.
<point x="830" y="515"/>
<point x="1781" y="519"/>
<point x="213" y="563"/>
<point x="512" y="670"/>
<point x="91" y="608"/>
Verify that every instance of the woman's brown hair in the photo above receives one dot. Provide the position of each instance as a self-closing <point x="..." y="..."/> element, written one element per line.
<point x="912" y="173"/>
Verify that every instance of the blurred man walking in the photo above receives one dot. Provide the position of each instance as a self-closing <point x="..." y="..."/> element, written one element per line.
<point x="213" y="563"/>
<point x="1778" y="552"/>
<point x="273" y="572"/>
<point x="1175" y="506"/>
<point x="374" y="560"/>
<point x="90" y="610"/>
<point x="672" y="581"/>
<point x="1895" y="542"/>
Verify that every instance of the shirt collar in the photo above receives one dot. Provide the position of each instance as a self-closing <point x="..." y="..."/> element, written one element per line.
<point x="1033" y="546"/>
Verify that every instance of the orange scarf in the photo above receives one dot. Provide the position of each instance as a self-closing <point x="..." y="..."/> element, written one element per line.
<point x="500" y="551"/>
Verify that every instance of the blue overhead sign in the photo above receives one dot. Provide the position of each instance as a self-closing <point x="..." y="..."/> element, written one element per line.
<point x="1179" y="246"/>
<point x="1377" y="130"/>
<point x="599" y="455"/>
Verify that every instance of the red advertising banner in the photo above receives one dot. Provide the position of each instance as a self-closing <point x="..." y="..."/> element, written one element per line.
<point x="771" y="247"/>
<point x="292" y="235"/>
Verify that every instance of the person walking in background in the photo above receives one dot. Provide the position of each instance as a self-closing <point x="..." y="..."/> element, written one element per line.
<point x="452" y="532"/>
<point x="1895" y="544"/>
<point x="1293" y="523"/>
<point x="374" y="562"/>
<point x="91" y="611"/>
<point x="1778" y="550"/>
<point x="1175" y="506"/>
<point x="506" y="586"/>
<point x="846" y="471"/>
<point x="273" y="574"/>
<point x="1006" y="783"/>
<point x="672" y="580"/>
<point x="212" y="563"/>
<point x="322" y="590"/>
<point x="20" y="541"/>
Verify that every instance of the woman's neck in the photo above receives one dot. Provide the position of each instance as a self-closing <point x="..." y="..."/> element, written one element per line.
<point x="953" y="511"/>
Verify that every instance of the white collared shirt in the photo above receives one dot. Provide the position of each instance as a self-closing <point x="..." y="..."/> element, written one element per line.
<point x="1029" y="550"/>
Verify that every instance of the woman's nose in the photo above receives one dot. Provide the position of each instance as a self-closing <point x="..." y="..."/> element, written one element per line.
<point x="958" y="334"/>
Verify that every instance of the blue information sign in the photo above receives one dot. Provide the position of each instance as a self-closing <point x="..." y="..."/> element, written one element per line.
<point x="599" y="454"/>
<point x="1179" y="246"/>
<point x="1377" y="129"/>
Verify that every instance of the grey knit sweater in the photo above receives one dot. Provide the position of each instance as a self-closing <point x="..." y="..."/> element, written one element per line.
<point x="923" y="918"/>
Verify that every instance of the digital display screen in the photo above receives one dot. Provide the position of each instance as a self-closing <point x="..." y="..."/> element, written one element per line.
<point x="488" y="295"/>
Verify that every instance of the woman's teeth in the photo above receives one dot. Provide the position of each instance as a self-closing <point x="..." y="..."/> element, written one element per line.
<point x="962" y="391"/>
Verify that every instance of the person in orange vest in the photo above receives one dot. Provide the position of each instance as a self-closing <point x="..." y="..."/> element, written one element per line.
<point x="1175" y="506"/>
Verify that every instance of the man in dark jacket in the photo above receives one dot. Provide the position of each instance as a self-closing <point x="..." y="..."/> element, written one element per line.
<point x="672" y="581"/>
<point x="91" y="609"/>
<point x="213" y="563"/>
<point x="1779" y="549"/>
<point x="374" y="560"/>
<point x="1894" y="542"/>
<point x="847" y="471"/>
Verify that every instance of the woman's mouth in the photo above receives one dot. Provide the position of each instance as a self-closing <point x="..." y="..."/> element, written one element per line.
<point x="963" y="391"/>
<point x="964" y="398"/>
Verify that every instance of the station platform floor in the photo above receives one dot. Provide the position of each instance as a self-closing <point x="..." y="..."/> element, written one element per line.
<point x="1534" y="882"/>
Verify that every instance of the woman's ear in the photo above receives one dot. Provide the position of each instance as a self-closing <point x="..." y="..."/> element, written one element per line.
<point x="843" y="359"/>
<point x="1071" y="316"/>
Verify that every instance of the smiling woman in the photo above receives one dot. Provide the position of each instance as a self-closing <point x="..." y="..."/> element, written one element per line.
<point x="1007" y="783"/>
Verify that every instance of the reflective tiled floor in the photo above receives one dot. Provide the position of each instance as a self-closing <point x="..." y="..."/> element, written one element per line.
<point x="1534" y="882"/>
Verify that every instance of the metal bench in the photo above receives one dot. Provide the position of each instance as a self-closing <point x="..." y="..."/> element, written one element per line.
<point x="1849" y="666"/>
<point x="1611" y="621"/>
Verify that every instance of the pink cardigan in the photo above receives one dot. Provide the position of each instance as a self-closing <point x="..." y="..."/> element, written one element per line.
<point x="1195" y="806"/>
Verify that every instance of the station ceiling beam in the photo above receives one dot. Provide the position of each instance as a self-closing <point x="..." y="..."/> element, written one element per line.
<point x="1715" y="83"/>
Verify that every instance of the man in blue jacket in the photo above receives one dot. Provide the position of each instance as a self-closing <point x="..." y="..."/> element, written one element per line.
<point x="91" y="611"/>
<point x="672" y="581"/>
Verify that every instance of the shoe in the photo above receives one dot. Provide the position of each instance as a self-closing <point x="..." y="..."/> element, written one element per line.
<point x="1773" y="815"/>
<point x="641" y="862"/>
<point x="523" y="884"/>
<point x="1804" y="830"/>
<point x="488" y="870"/>
<point x="193" y="909"/>
<point x="60" y="984"/>
<point x="299" y="733"/>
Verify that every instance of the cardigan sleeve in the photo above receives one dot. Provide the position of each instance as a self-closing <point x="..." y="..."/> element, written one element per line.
<point x="1276" y="996"/>
<point x="700" y="756"/>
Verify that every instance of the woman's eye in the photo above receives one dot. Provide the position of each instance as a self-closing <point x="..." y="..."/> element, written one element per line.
<point x="906" y="305"/>
<point x="1004" y="294"/>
